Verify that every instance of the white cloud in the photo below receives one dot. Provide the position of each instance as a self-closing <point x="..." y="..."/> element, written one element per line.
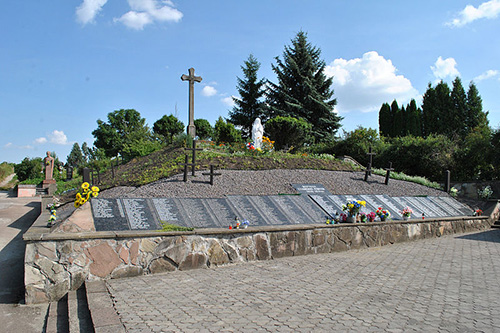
<point x="364" y="84"/>
<point x="228" y="101"/>
<point x="145" y="12"/>
<point x="58" y="138"/>
<point x="41" y="140"/>
<point x="445" y="68"/>
<point x="486" y="75"/>
<point x="86" y="12"/>
<point x="26" y="147"/>
<point x="135" y="20"/>
<point x="8" y="145"/>
<point x="209" y="91"/>
<point x="489" y="10"/>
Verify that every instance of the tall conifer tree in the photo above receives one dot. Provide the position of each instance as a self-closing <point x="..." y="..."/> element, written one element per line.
<point x="458" y="114"/>
<point x="303" y="90"/>
<point x="385" y="120"/>
<point x="250" y="105"/>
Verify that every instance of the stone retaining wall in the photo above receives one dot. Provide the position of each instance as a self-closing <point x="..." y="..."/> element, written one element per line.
<point x="58" y="262"/>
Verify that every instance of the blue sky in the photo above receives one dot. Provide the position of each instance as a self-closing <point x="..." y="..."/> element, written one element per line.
<point x="65" y="64"/>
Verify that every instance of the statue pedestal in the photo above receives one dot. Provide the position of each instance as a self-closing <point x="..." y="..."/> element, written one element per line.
<point x="50" y="185"/>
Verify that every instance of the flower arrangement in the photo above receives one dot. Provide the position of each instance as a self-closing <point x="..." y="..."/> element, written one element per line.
<point x="371" y="216"/>
<point x="454" y="192"/>
<point x="406" y="212"/>
<point x="53" y="214"/>
<point x="267" y="145"/>
<point x="363" y="217"/>
<point x="478" y="212"/>
<point x="383" y="214"/>
<point x="352" y="208"/>
<point x="485" y="193"/>
<point x="85" y="194"/>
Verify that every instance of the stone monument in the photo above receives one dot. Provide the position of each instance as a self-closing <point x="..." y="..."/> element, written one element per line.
<point x="48" y="162"/>
<point x="257" y="133"/>
<point x="191" y="130"/>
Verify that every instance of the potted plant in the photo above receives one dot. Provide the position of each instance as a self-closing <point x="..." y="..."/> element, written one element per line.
<point x="352" y="209"/>
<point x="371" y="216"/>
<point x="406" y="213"/>
<point x="383" y="214"/>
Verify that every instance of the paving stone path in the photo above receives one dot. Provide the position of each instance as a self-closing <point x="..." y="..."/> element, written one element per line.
<point x="447" y="284"/>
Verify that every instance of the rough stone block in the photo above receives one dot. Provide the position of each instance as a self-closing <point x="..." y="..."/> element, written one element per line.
<point x="231" y="251"/>
<point x="57" y="290"/>
<point x="35" y="294"/>
<point x="161" y="265"/>
<point x="104" y="259"/>
<point x="47" y="249"/>
<point x="177" y="253"/>
<point x="244" y="242"/>
<point x="148" y="246"/>
<point x="216" y="254"/>
<point x="192" y="261"/>
<point x="262" y="247"/>
<point x="282" y="244"/>
<point x="127" y="271"/>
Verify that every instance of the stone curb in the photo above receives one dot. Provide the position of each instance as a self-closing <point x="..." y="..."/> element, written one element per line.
<point x="40" y="234"/>
<point x="102" y="312"/>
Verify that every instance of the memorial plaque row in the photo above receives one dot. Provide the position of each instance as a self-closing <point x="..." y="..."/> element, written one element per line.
<point x="430" y="206"/>
<point x="148" y="214"/>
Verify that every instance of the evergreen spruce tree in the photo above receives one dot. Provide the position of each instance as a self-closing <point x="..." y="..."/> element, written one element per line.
<point x="395" y="114"/>
<point x="385" y="120"/>
<point x="413" y="119"/>
<point x="475" y="115"/>
<point x="458" y="115"/>
<point x="75" y="157"/>
<point x="436" y="108"/>
<point x="249" y="106"/>
<point x="444" y="110"/>
<point x="303" y="90"/>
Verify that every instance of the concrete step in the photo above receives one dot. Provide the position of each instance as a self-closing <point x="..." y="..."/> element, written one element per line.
<point x="496" y="225"/>
<point x="78" y="312"/>
<point x="57" y="317"/>
<point x="104" y="316"/>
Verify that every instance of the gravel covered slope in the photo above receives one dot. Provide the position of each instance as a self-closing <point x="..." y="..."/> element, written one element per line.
<point x="269" y="182"/>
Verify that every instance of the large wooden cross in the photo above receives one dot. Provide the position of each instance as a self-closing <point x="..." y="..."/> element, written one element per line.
<point x="191" y="130"/>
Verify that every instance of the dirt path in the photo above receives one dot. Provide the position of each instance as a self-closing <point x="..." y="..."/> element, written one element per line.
<point x="7" y="180"/>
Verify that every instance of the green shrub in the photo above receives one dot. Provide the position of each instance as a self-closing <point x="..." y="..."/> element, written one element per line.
<point x="288" y="131"/>
<point x="29" y="168"/>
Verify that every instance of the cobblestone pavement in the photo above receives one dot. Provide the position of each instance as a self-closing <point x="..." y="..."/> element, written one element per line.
<point x="447" y="284"/>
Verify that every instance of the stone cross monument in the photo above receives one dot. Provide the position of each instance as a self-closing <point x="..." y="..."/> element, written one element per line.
<point x="192" y="79"/>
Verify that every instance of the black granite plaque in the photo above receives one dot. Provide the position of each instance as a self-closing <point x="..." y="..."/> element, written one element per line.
<point x="168" y="211"/>
<point x="197" y="214"/>
<point x="327" y="205"/>
<point x="246" y="210"/>
<point x="268" y="210"/>
<point x="461" y="209"/>
<point x="310" y="209"/>
<point x="430" y="206"/>
<point x="404" y="202"/>
<point x="293" y="213"/>
<point x="222" y="211"/>
<point x="312" y="189"/>
<point x="139" y="214"/>
<point x="108" y="215"/>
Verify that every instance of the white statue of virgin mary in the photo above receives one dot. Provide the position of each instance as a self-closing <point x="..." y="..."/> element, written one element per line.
<point x="257" y="133"/>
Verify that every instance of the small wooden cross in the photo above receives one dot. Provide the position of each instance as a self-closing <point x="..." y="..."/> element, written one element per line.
<point x="192" y="79"/>
<point x="211" y="174"/>
<point x="186" y="165"/>
<point x="193" y="162"/>
<point x="388" y="174"/>
<point x="370" y="162"/>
